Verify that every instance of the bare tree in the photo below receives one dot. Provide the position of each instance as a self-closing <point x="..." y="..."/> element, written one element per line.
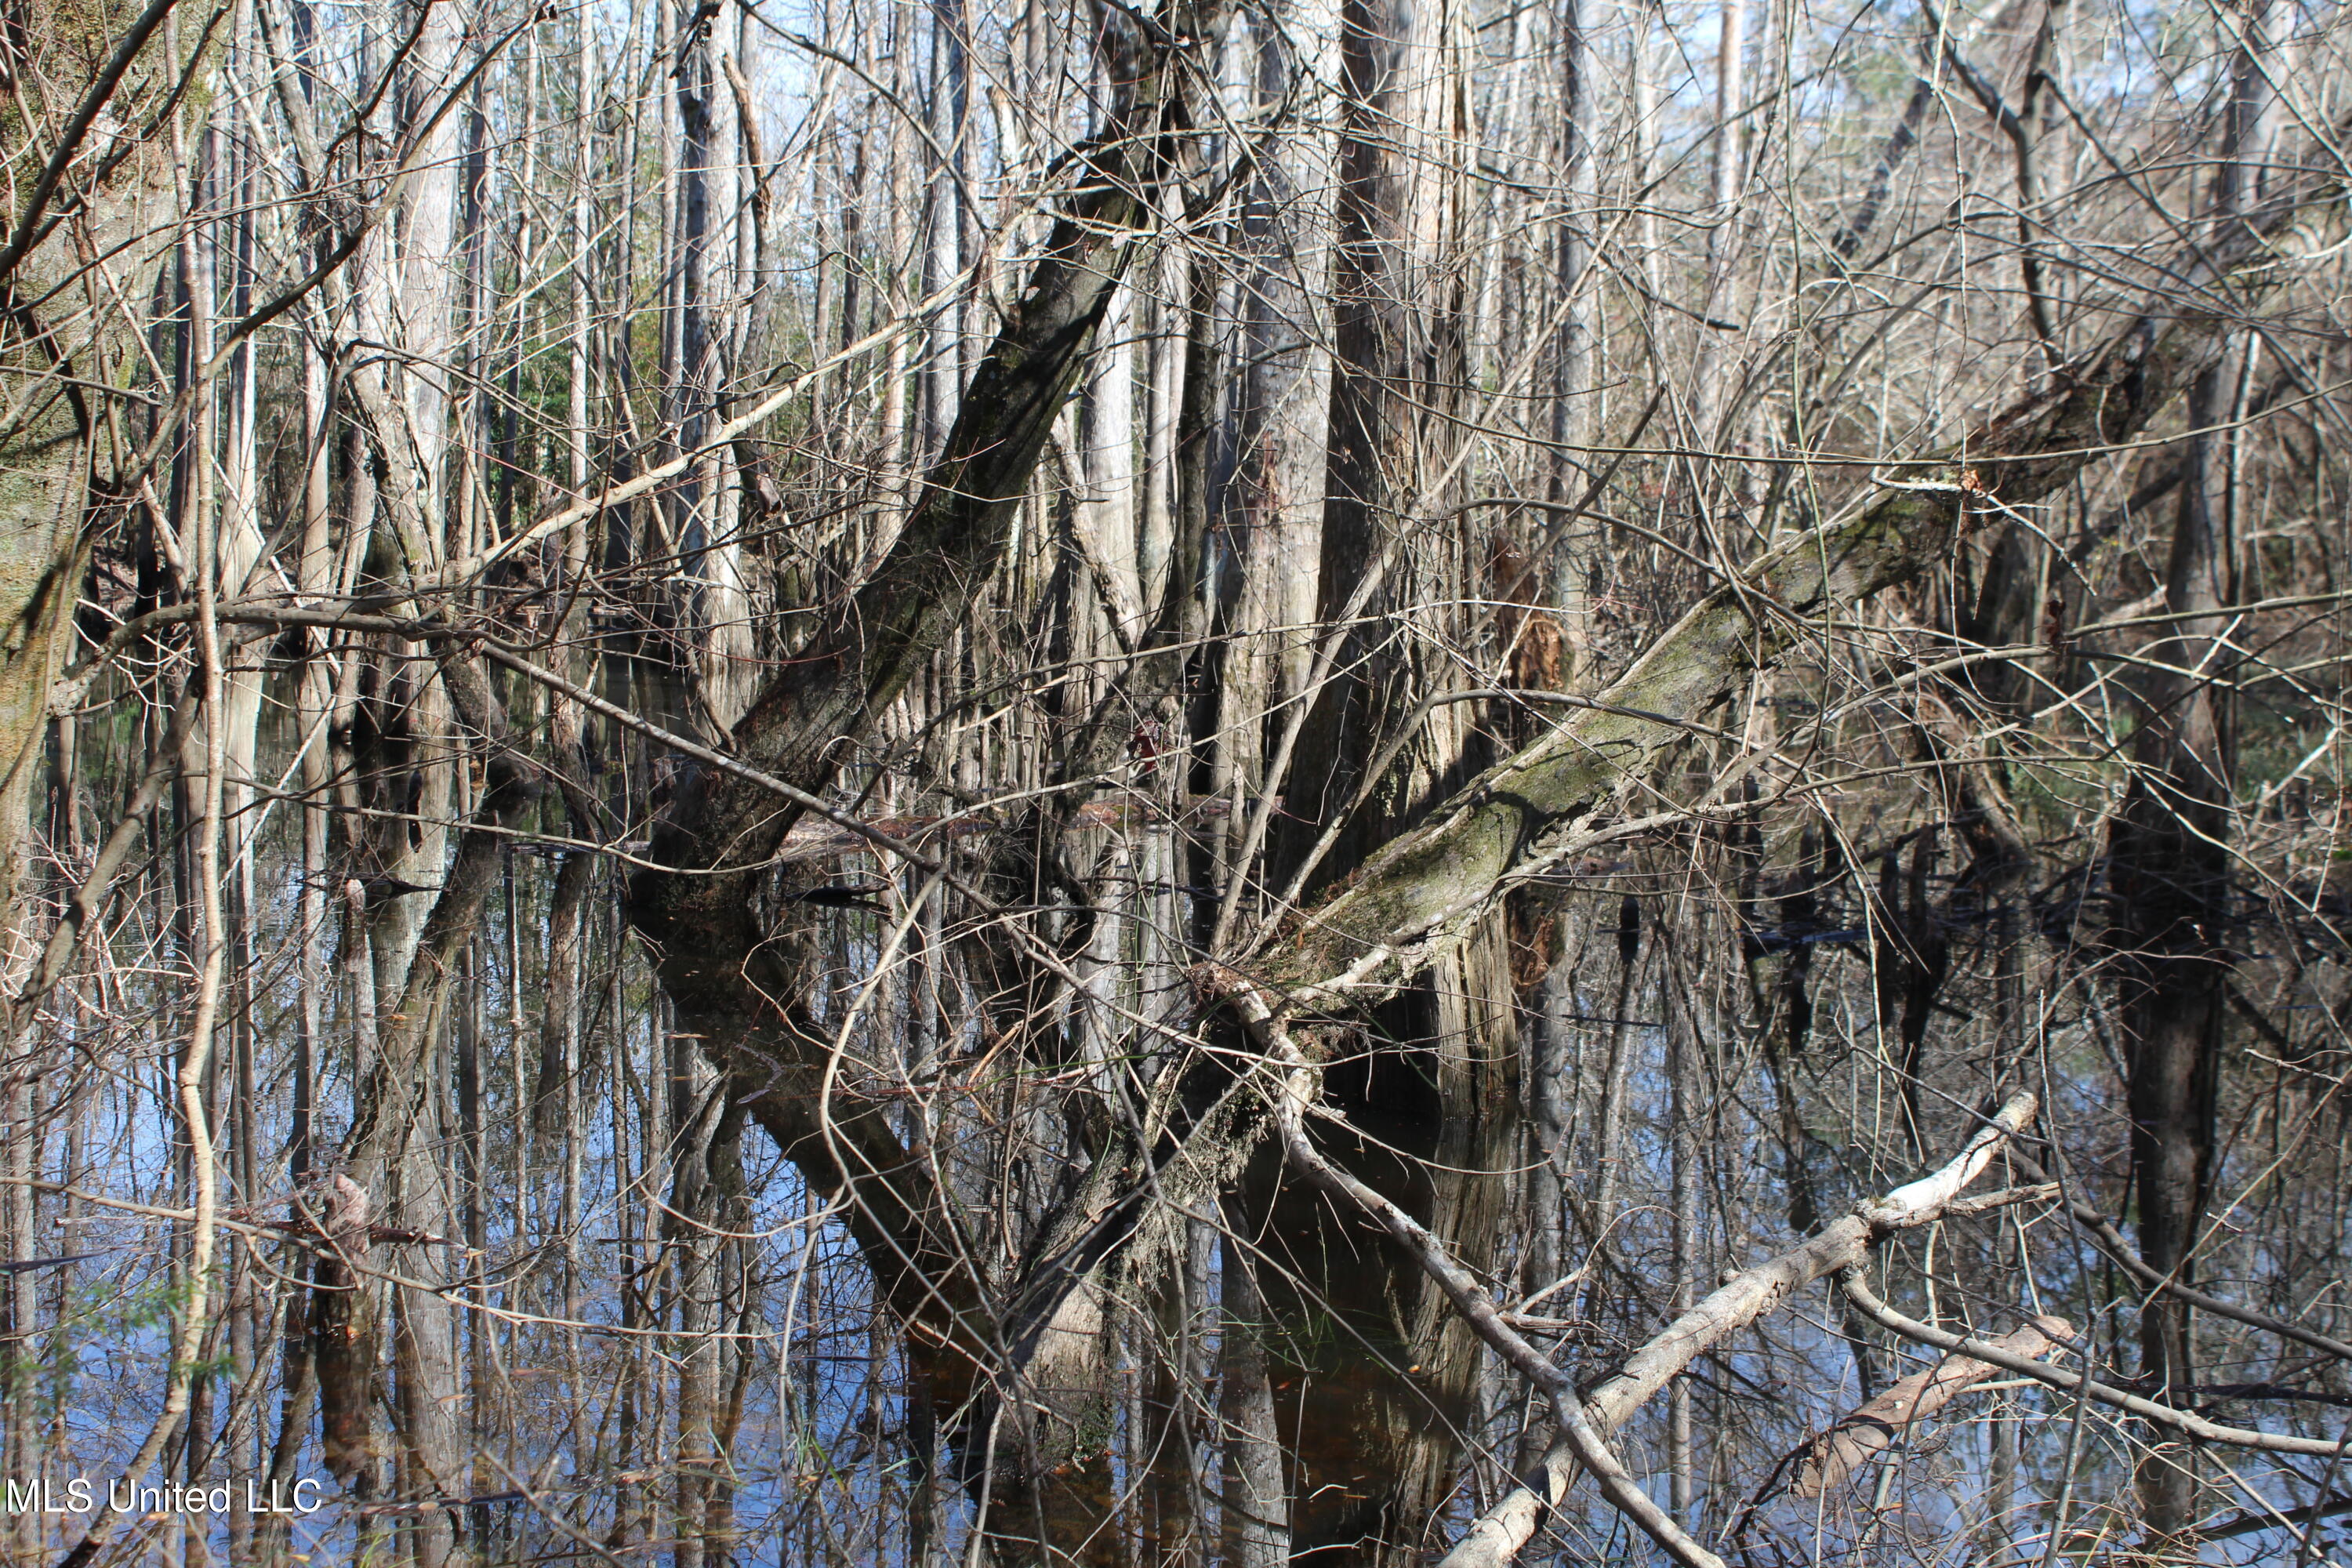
<point x="1002" y="783"/>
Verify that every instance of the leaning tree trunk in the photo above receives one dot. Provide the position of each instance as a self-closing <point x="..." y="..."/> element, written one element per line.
<point x="53" y="336"/>
<point x="1423" y="891"/>
<point x="730" y="983"/>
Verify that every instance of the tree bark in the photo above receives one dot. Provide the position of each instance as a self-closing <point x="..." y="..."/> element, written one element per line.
<point x="1398" y="373"/>
<point x="2170" y="861"/>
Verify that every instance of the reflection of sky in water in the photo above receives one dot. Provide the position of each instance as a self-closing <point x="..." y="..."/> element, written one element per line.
<point x="820" y="1458"/>
<point x="812" y="1396"/>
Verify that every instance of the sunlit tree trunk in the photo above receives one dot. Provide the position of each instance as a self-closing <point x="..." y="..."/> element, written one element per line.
<point x="1109" y="504"/>
<point x="949" y="85"/>
<point x="1283" y="404"/>
<point x="1727" y="172"/>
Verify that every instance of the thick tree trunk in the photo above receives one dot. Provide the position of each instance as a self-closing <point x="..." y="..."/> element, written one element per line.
<point x="44" y="489"/>
<point x="1398" y="375"/>
<point x="2171" y="860"/>
<point x="1284" y="417"/>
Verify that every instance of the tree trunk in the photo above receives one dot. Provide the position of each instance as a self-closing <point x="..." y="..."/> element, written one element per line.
<point x="719" y="963"/>
<point x="1398" y="374"/>
<point x="2171" y="860"/>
